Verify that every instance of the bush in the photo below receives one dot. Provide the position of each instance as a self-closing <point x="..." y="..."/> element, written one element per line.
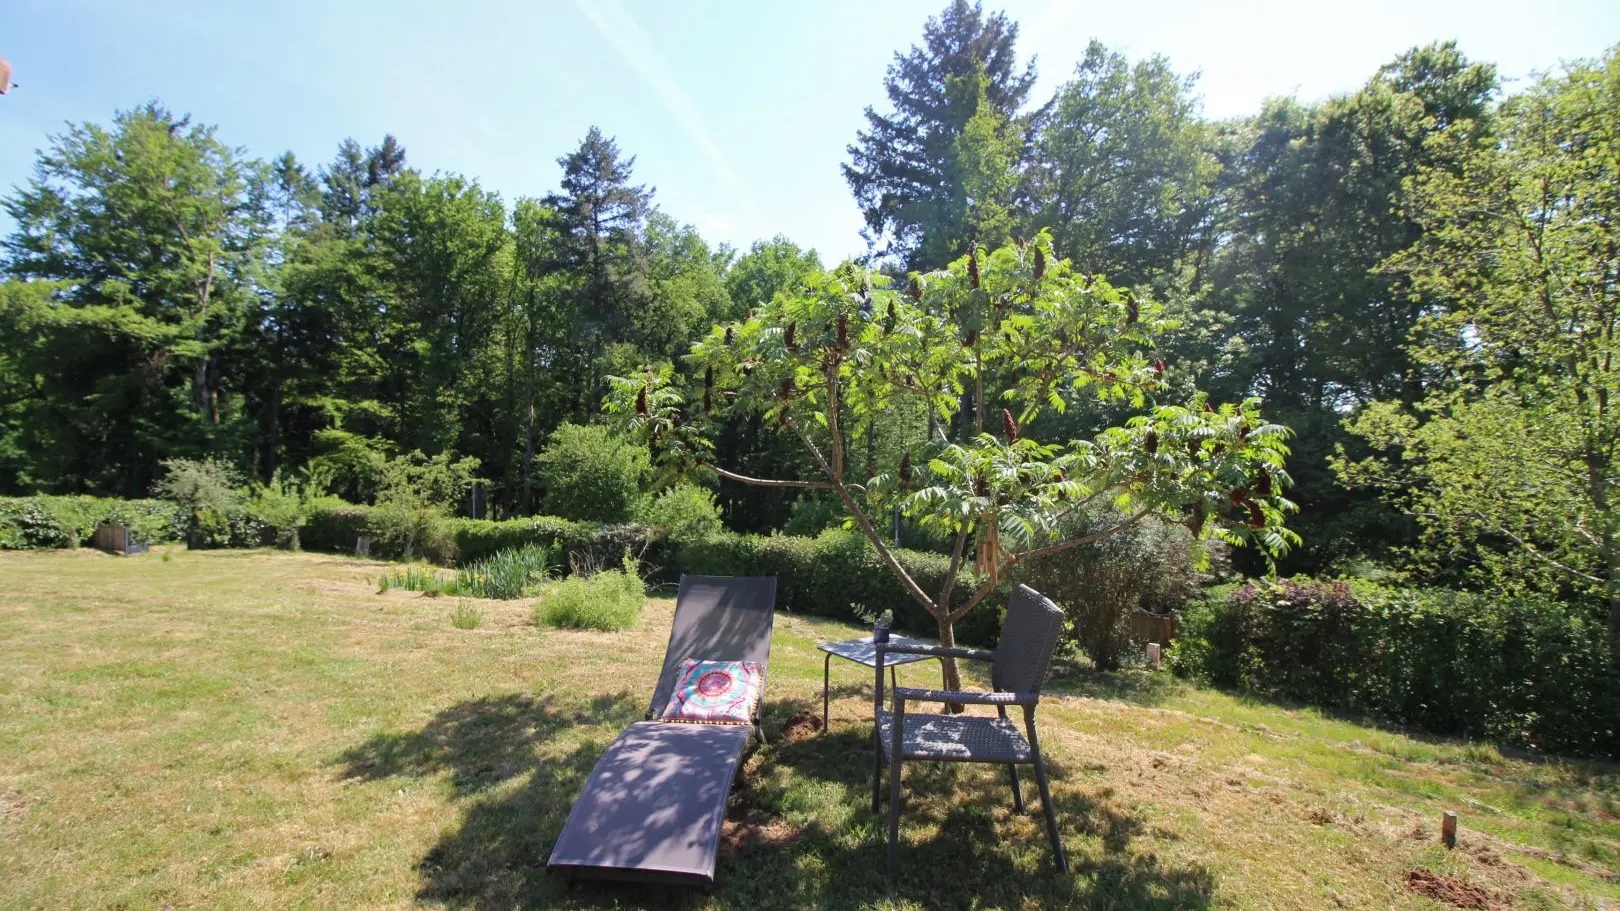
<point x="477" y="539"/>
<point x="283" y="508"/>
<point x="28" y="523"/>
<point x="684" y="512"/>
<point x="591" y="473"/>
<point x="205" y="492"/>
<point x="334" y="526"/>
<point x="1520" y="671"/>
<point x="1100" y="586"/>
<point x="609" y="600"/>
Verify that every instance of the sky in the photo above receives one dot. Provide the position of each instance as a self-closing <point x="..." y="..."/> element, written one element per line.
<point x="738" y="113"/>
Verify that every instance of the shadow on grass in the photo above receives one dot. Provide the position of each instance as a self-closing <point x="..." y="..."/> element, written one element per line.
<point x="800" y="830"/>
<point x="1138" y="685"/>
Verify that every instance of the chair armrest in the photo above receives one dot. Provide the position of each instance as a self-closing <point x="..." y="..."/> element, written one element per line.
<point x="971" y="654"/>
<point x="903" y="693"/>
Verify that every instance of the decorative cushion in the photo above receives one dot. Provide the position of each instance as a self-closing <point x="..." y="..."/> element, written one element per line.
<point x="715" y="692"/>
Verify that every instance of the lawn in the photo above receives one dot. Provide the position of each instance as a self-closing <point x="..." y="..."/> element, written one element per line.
<point x="258" y="730"/>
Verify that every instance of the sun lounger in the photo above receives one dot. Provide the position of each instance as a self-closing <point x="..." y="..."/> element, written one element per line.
<point x="652" y="808"/>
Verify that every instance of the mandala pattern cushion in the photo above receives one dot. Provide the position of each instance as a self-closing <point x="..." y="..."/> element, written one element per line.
<point x="715" y="692"/>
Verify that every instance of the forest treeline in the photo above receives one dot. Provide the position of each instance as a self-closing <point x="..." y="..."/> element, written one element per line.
<point x="1418" y="277"/>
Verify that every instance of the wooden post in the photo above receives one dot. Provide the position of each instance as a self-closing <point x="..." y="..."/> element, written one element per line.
<point x="1448" y="829"/>
<point x="1155" y="655"/>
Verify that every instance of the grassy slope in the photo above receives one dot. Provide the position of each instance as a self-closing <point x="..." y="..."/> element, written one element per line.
<point x="261" y="730"/>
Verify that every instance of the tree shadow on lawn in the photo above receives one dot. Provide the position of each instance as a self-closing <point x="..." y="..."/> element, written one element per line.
<point x="496" y="858"/>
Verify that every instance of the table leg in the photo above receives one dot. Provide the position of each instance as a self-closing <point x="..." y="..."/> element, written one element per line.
<point x="893" y="685"/>
<point x="826" y="667"/>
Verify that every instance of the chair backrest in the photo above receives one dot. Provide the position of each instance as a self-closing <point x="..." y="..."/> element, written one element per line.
<point x="1028" y="636"/>
<point x="717" y="618"/>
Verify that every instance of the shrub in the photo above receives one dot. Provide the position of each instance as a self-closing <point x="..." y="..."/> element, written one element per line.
<point x="1101" y="586"/>
<point x="282" y="507"/>
<point x="1521" y="671"/>
<point x="334" y="526"/>
<point x="685" y="512"/>
<point x="205" y="492"/>
<point x="476" y="539"/>
<point x="69" y="521"/>
<point x="591" y="473"/>
<point x="609" y="600"/>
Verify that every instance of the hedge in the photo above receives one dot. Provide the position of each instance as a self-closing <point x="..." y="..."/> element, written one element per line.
<point x="28" y="523"/>
<point x="836" y="574"/>
<point x="1525" y="672"/>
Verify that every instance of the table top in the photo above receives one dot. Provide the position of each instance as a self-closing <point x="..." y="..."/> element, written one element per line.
<point x="862" y="651"/>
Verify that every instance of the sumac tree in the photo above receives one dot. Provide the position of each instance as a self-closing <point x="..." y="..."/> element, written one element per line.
<point x="975" y="351"/>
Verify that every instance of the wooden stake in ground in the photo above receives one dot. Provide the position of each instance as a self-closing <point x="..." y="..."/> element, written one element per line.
<point x="1448" y="829"/>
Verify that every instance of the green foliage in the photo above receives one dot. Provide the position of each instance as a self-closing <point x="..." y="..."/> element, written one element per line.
<point x="203" y="489"/>
<point x="1521" y="671"/>
<point x="684" y="512"/>
<point x="1148" y="566"/>
<point x="415" y="577"/>
<point x="913" y="171"/>
<point x="769" y="267"/>
<point x="591" y="473"/>
<point x="477" y="539"/>
<point x="507" y="575"/>
<point x="48" y="522"/>
<point x="610" y="600"/>
<point x="283" y="506"/>
<point x="411" y="515"/>
<point x="1513" y="451"/>
<point x="335" y="526"/>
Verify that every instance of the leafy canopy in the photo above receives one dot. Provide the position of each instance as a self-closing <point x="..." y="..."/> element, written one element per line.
<point x="985" y="347"/>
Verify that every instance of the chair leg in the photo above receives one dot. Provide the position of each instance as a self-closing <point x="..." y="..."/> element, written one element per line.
<point x="826" y="669"/>
<point x="895" y="761"/>
<point x="1012" y="772"/>
<point x="1046" y="792"/>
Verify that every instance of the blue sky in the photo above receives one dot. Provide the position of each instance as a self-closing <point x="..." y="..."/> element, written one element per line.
<point x="738" y="113"/>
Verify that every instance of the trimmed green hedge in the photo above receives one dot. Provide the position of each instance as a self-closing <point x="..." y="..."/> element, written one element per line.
<point x="1524" y="672"/>
<point x="28" y="523"/>
<point x="836" y="574"/>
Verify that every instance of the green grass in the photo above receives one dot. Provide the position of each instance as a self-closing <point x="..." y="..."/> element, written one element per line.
<point x="259" y="730"/>
<point x="609" y="600"/>
<point x="507" y="575"/>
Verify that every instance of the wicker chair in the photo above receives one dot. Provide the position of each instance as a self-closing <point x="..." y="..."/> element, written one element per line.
<point x="1017" y="668"/>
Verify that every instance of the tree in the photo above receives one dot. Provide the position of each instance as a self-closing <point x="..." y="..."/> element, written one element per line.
<point x="1123" y="171"/>
<point x="1510" y="459"/>
<point x="156" y="238"/>
<point x="768" y="267"/>
<point x="907" y="168"/>
<point x="1002" y="338"/>
<point x="1316" y="205"/>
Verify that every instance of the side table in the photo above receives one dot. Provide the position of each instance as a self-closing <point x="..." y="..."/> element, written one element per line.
<point x="862" y="651"/>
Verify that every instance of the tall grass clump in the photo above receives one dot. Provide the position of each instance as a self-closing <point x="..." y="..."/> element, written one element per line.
<point x="608" y="600"/>
<point x="415" y="577"/>
<point x="465" y="616"/>
<point x="506" y="575"/>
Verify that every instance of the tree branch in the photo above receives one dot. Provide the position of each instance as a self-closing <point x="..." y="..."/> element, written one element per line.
<point x="985" y="589"/>
<point x="884" y="553"/>
<point x="767" y="482"/>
